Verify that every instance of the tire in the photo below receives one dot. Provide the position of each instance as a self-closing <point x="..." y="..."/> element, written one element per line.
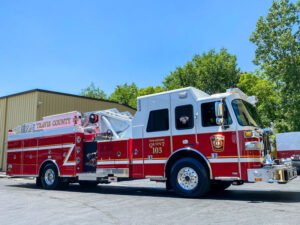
<point x="88" y="184"/>
<point x="38" y="182"/>
<point x="219" y="186"/>
<point x="189" y="178"/>
<point x="49" y="177"/>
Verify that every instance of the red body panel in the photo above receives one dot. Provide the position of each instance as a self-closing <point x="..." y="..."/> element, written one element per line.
<point x="143" y="157"/>
<point x="27" y="156"/>
<point x="204" y="146"/>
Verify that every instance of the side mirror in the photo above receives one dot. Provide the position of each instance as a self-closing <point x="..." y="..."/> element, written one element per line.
<point x="219" y="112"/>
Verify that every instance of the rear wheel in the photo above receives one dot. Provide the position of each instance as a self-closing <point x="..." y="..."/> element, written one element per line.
<point x="189" y="178"/>
<point x="49" y="177"/>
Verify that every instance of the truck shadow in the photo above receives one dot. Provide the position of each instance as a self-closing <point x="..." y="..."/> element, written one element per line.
<point x="250" y="196"/>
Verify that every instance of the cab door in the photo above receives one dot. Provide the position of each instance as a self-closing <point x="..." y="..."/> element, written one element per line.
<point x="219" y="143"/>
<point x="157" y="135"/>
<point x="184" y="121"/>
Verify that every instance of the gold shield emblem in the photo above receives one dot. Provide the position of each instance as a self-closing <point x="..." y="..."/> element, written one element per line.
<point x="217" y="142"/>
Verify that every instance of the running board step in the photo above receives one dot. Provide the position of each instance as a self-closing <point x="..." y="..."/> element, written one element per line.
<point x="157" y="179"/>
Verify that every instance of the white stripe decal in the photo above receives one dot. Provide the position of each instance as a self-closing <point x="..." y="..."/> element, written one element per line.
<point x="105" y="162"/>
<point x="40" y="148"/>
<point x="66" y="163"/>
<point x="155" y="161"/>
<point x="233" y="160"/>
<point x="149" y="161"/>
<point x="146" y="161"/>
<point x="122" y="162"/>
<point x="137" y="161"/>
<point x="111" y="162"/>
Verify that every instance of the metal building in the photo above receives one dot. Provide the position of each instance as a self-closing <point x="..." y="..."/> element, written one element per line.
<point x="32" y="105"/>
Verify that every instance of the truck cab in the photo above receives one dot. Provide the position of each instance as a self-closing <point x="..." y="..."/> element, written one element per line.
<point x="218" y="130"/>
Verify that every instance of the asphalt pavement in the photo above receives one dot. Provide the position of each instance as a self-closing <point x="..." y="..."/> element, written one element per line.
<point x="143" y="202"/>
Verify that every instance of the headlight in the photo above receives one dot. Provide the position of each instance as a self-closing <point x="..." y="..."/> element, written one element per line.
<point x="253" y="145"/>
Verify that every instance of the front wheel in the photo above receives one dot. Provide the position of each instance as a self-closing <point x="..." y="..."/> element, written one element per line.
<point x="49" y="177"/>
<point x="189" y="178"/>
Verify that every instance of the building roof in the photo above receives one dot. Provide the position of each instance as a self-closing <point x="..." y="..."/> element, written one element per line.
<point x="61" y="93"/>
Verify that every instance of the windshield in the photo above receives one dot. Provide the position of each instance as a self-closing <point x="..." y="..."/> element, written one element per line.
<point x="245" y="112"/>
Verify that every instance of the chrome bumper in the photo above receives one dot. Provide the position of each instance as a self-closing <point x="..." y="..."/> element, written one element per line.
<point x="275" y="173"/>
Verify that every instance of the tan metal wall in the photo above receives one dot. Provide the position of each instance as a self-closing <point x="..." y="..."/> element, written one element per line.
<point x="20" y="109"/>
<point x="2" y="127"/>
<point x="51" y="103"/>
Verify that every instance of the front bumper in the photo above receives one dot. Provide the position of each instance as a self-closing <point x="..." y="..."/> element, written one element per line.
<point x="274" y="173"/>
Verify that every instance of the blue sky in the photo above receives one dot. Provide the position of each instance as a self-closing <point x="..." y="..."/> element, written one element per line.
<point x="65" y="45"/>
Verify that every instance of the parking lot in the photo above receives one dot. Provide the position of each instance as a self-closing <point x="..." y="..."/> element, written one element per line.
<point x="143" y="202"/>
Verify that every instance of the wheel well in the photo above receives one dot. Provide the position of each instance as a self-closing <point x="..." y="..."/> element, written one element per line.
<point x="47" y="162"/>
<point x="184" y="154"/>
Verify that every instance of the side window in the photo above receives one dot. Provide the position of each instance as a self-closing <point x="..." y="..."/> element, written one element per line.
<point x="209" y="117"/>
<point x="184" y="117"/>
<point x="158" y="120"/>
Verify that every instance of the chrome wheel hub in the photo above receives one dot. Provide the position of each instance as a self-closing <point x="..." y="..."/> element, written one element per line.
<point x="49" y="177"/>
<point x="187" y="178"/>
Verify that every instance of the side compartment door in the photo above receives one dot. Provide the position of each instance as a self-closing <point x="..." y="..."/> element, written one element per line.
<point x="67" y="155"/>
<point x="113" y="158"/>
<point x="105" y="154"/>
<point x="50" y="148"/>
<point x="137" y="168"/>
<point x="30" y="147"/>
<point x="14" y="157"/>
<point x="121" y="159"/>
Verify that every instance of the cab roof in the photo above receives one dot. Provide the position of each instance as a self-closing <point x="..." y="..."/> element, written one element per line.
<point x="201" y="95"/>
<point x="196" y="93"/>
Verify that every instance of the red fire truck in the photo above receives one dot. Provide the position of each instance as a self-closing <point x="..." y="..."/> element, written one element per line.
<point x="193" y="141"/>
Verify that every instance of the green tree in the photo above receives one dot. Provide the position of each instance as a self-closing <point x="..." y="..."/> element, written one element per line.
<point x="267" y="96"/>
<point x="125" y="94"/>
<point x="150" y="90"/>
<point x="93" y="92"/>
<point x="211" y="72"/>
<point x="277" y="37"/>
